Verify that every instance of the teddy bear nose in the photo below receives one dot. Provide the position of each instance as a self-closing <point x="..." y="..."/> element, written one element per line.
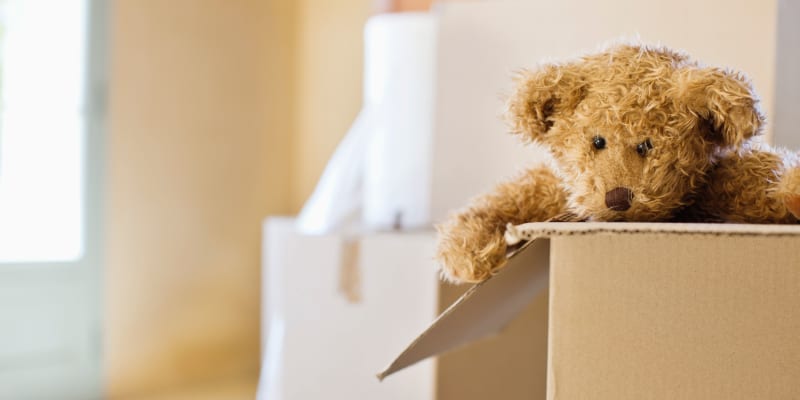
<point x="619" y="199"/>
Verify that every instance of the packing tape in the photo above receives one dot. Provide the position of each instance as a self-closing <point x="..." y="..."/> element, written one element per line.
<point x="350" y="270"/>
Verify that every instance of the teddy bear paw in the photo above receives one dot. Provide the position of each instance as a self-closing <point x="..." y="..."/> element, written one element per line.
<point x="470" y="261"/>
<point x="789" y="189"/>
<point x="792" y="203"/>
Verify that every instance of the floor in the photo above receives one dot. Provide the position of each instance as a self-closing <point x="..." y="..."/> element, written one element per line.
<point x="243" y="388"/>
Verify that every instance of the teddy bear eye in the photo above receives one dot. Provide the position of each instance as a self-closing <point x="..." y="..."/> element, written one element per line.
<point x="599" y="143"/>
<point x="643" y="148"/>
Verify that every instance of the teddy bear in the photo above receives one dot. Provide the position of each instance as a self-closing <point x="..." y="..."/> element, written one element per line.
<point x="634" y="133"/>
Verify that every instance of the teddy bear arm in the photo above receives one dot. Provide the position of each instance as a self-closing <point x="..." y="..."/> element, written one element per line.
<point x="471" y="244"/>
<point x="754" y="186"/>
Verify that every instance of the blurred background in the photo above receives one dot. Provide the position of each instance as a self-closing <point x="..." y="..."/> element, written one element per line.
<point x="144" y="142"/>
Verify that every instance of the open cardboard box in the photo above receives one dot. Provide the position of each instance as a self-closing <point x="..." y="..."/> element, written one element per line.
<point x="646" y="310"/>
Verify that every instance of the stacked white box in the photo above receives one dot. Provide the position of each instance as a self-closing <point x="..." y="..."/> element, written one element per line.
<point x="323" y="342"/>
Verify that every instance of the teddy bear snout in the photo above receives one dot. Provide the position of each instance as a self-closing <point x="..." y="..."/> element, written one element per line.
<point x="619" y="199"/>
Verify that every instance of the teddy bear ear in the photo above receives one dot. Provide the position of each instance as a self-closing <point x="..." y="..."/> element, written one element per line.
<point x="542" y="96"/>
<point x="723" y="103"/>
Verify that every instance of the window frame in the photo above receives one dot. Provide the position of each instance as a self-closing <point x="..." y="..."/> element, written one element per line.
<point x="79" y="376"/>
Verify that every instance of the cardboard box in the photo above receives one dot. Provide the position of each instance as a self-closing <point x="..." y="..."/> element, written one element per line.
<point x="337" y="305"/>
<point x="647" y="311"/>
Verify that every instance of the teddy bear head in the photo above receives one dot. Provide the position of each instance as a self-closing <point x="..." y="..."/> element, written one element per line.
<point x="633" y="130"/>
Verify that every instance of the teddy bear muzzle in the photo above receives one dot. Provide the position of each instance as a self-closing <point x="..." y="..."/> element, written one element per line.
<point x="619" y="199"/>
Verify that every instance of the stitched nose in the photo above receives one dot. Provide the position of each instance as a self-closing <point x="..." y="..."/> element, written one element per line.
<point x="619" y="199"/>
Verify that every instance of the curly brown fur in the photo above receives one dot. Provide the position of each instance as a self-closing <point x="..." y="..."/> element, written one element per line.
<point x="752" y="185"/>
<point x="677" y="140"/>
<point x="471" y="243"/>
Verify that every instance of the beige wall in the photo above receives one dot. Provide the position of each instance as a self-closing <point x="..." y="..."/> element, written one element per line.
<point x="222" y="112"/>
<point x="200" y="126"/>
<point x="328" y="93"/>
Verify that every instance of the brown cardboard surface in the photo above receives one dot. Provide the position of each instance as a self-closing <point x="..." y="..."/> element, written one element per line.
<point x="512" y="363"/>
<point x="643" y="310"/>
<point x="653" y="315"/>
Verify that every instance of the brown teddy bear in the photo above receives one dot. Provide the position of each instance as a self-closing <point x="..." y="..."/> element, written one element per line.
<point x="636" y="133"/>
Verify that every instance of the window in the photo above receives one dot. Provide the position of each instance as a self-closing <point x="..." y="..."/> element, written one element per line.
<point x="42" y="129"/>
<point x="52" y="80"/>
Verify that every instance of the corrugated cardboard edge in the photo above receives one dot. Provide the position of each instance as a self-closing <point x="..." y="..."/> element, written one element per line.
<point x="484" y="309"/>
<point x="548" y="229"/>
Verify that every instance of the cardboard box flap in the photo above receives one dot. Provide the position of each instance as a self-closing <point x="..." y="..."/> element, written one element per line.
<point x="485" y="309"/>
